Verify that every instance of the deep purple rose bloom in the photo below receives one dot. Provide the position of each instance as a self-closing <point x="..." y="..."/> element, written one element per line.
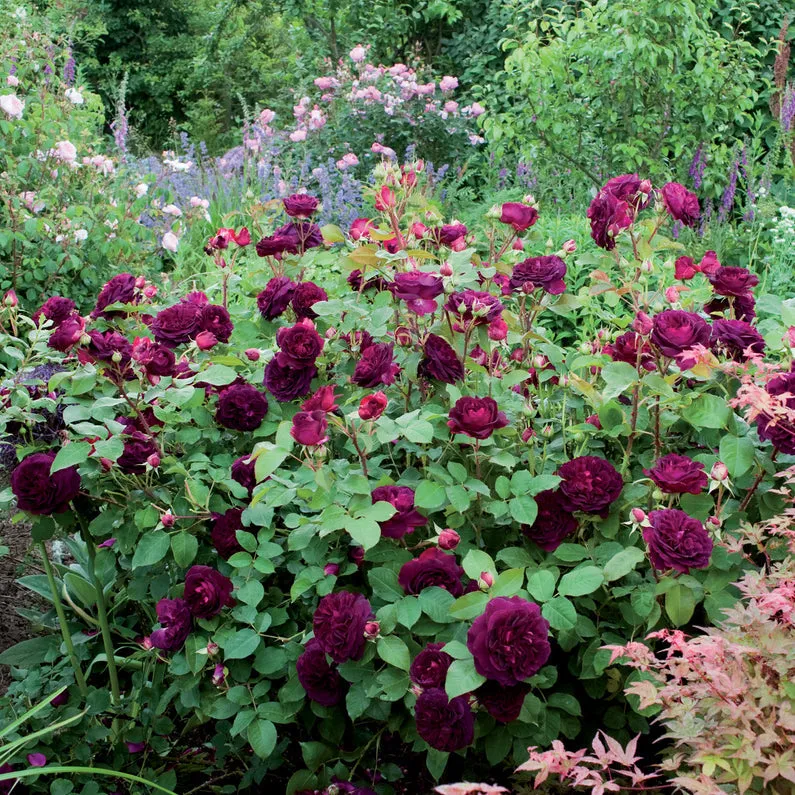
<point x="110" y="347"/>
<point x="310" y="428"/>
<point x="678" y="474"/>
<point x="224" y="532"/>
<point x="288" y="383"/>
<point x="406" y="519"/>
<point x="590" y="484"/>
<point x="243" y="473"/>
<point x="733" y="281"/>
<point x="631" y="348"/>
<point x="440" y="361"/>
<point x="520" y="216"/>
<point x="300" y="205"/>
<point x="443" y="724"/>
<point x="305" y="296"/>
<point x="418" y="290"/>
<point x="154" y="358"/>
<point x="473" y="308"/>
<point x="510" y="640"/>
<point x="68" y="333"/>
<point x="429" y="668"/>
<point x="207" y="591"/>
<point x="608" y="215"/>
<point x="546" y="272"/>
<point x="675" y="331"/>
<point x="175" y="621"/>
<point x="56" y="308"/>
<point x="339" y="623"/>
<point x="677" y="541"/>
<point x="321" y="681"/>
<point x="276" y="296"/>
<point x="308" y="235"/>
<point x="241" y="407"/>
<point x="39" y="492"/>
<point x="119" y="290"/>
<point x="216" y="320"/>
<point x="432" y="568"/>
<point x="300" y="345"/>
<point x="376" y="366"/>
<point x="476" y="417"/>
<point x="735" y="337"/>
<point x="448" y="234"/>
<point x="284" y="240"/>
<point x="138" y="446"/>
<point x="552" y="524"/>
<point x="623" y="187"/>
<point x="177" y="324"/>
<point x="779" y="431"/>
<point x="682" y="205"/>
<point x="743" y="307"/>
<point x="503" y="703"/>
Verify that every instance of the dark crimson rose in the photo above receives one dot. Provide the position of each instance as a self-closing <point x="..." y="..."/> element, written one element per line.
<point x="138" y="447"/>
<point x="632" y="349"/>
<point x="448" y="234"/>
<point x="308" y="234"/>
<point x="175" y="621"/>
<point x="376" y="366"/>
<point x="223" y="237"/>
<point x="288" y="383"/>
<point x="509" y="641"/>
<point x="276" y="296"/>
<point x="300" y="205"/>
<point x="418" y="290"/>
<point x="300" y="344"/>
<point x="733" y="281"/>
<point x="552" y="524"/>
<point x="520" y="216"/>
<point x="681" y="204"/>
<point x="241" y="407"/>
<point x="372" y="406"/>
<point x="735" y="337"/>
<point x="476" y="417"/>
<point x="309" y="428"/>
<point x="119" y="290"/>
<point x="56" y="308"/>
<point x="406" y="519"/>
<point x="608" y="215"/>
<point x="777" y="429"/>
<point x="339" y="623"/>
<point x="323" y="400"/>
<point x="305" y="295"/>
<point x="440" y="361"/>
<point x="177" y="324"/>
<point x="503" y="703"/>
<point x="197" y="297"/>
<point x="685" y="269"/>
<point x="743" y="307"/>
<point x="429" y="668"/>
<point x="590" y="484"/>
<point x="432" y="568"/>
<point x="443" y="724"/>
<point x="68" y="333"/>
<point x="39" y="492"/>
<point x="473" y="308"/>
<point x="207" y="591"/>
<point x="109" y="347"/>
<point x="154" y="358"/>
<point x="216" y="320"/>
<point x="321" y="681"/>
<point x="285" y="240"/>
<point x="678" y="474"/>
<point x="623" y="187"/>
<point x="243" y="473"/>
<point x="224" y="532"/>
<point x="675" y="331"/>
<point x="677" y="541"/>
<point x="546" y="272"/>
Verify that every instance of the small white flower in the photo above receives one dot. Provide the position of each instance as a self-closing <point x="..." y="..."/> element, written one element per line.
<point x="172" y="209"/>
<point x="170" y="242"/>
<point x="74" y="96"/>
<point x="81" y="234"/>
<point x="141" y="189"/>
<point x="12" y="106"/>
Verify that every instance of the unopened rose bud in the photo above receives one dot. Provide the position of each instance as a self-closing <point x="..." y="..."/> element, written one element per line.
<point x="153" y="460"/>
<point x="252" y="354"/>
<point x="498" y="329"/>
<point x="205" y="340"/>
<point x="638" y="515"/>
<point x="403" y="336"/>
<point x="642" y="324"/>
<point x="219" y="675"/>
<point x="518" y="244"/>
<point x="529" y="200"/>
<point x="371" y="630"/>
<point x="106" y="464"/>
<point x="212" y="649"/>
<point x="657" y="495"/>
<point x="146" y="644"/>
<point x="714" y="521"/>
<point x="168" y="519"/>
<point x="563" y="380"/>
<point x="116" y="357"/>
<point x="10" y="299"/>
<point x="446" y="269"/>
<point x="150" y="291"/>
<point x="419" y="230"/>
<point x="647" y="266"/>
<point x="719" y="472"/>
<point x="547" y="431"/>
<point x="331" y="569"/>
<point x="356" y="554"/>
<point x="645" y="186"/>
<point x="539" y="361"/>
<point x="569" y="246"/>
<point x="528" y="287"/>
<point x="448" y="539"/>
<point x="671" y="294"/>
<point x="528" y="434"/>
<point x="485" y="581"/>
<point x="458" y="245"/>
<point x="517" y="354"/>
<point x="140" y="282"/>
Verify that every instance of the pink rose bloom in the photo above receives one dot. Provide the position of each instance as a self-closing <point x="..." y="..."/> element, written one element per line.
<point x="476" y="109"/>
<point x="451" y="106"/>
<point x="266" y="117"/>
<point x="12" y="106"/>
<point x="398" y="69"/>
<point x="347" y="161"/>
<point x="426" y="89"/>
<point x="12" y="80"/>
<point x="324" y="83"/>
<point x="65" y="152"/>
<point x="297" y="135"/>
<point x="358" y="54"/>
<point x="448" y="83"/>
<point x="316" y="118"/>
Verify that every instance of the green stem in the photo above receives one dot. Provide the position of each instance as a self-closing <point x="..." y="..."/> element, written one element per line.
<point x="65" y="634"/>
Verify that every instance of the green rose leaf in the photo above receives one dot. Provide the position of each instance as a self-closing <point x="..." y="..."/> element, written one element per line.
<point x="393" y="650"/>
<point x="462" y="678"/>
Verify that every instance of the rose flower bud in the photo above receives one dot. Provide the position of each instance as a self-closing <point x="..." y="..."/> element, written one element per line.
<point x="252" y="354"/>
<point x="485" y="581"/>
<point x="448" y="539"/>
<point x="371" y="630"/>
<point x="719" y="472"/>
<point x="373" y="406"/>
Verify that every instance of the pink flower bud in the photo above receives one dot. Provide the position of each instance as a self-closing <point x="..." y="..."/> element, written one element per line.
<point x="458" y="245"/>
<point x="37" y="760"/>
<point x="594" y="420"/>
<point x="146" y="643"/>
<point x="547" y="431"/>
<point x="419" y="230"/>
<point x="719" y="472"/>
<point x="206" y="340"/>
<point x="498" y="329"/>
<point x="371" y="630"/>
<point x="539" y="361"/>
<point x="528" y="287"/>
<point x="518" y="244"/>
<point x="446" y="269"/>
<point x="385" y="198"/>
<point x="140" y="282"/>
<point x="168" y="519"/>
<point x="212" y="649"/>
<point x="403" y="336"/>
<point x="153" y="460"/>
<point x="331" y="569"/>
<point x="647" y="266"/>
<point x="569" y="246"/>
<point x="485" y="581"/>
<point x="448" y="539"/>
<point x="106" y="464"/>
<point x="150" y="291"/>
<point x="642" y="324"/>
<point x="252" y="354"/>
<point x="10" y="299"/>
<point x="219" y="675"/>
<point x="331" y="332"/>
<point x="645" y="186"/>
<point x="714" y="521"/>
<point x="517" y="355"/>
<point x="672" y="294"/>
<point x="638" y="515"/>
<point x="528" y="434"/>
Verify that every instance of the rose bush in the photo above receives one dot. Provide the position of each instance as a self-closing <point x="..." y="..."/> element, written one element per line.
<point x="391" y="518"/>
